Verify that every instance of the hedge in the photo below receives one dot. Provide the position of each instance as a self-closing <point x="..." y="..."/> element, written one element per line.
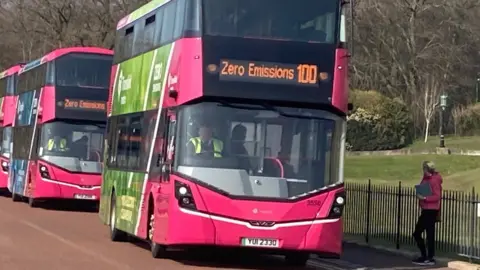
<point x="377" y="123"/>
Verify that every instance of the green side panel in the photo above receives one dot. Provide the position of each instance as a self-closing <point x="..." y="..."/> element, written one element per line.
<point x="160" y="67"/>
<point x="128" y="189"/>
<point x="140" y="81"/>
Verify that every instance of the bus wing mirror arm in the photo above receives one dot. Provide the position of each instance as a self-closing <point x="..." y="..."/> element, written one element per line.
<point x="159" y="159"/>
<point x="166" y="170"/>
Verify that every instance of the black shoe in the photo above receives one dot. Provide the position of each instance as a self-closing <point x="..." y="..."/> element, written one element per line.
<point x="421" y="261"/>
<point x="431" y="262"/>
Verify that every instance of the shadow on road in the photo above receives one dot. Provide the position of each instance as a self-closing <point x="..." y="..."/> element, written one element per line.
<point x="375" y="259"/>
<point x="5" y="193"/>
<point x="59" y="204"/>
<point x="69" y="206"/>
<point x="225" y="258"/>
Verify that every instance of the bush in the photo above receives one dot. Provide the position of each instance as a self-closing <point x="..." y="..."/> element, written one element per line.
<point x="468" y="120"/>
<point x="378" y="123"/>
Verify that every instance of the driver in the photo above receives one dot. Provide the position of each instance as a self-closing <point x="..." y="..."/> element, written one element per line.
<point x="205" y="143"/>
<point x="56" y="143"/>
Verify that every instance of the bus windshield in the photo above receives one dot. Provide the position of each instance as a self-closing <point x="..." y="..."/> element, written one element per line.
<point x="6" y="140"/>
<point x="11" y="81"/>
<point x="3" y="86"/>
<point x="259" y="151"/>
<point x="75" y="147"/>
<point x="306" y="20"/>
<point x="83" y="70"/>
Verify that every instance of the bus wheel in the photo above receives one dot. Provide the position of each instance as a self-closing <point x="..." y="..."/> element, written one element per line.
<point x="115" y="234"/>
<point x="158" y="251"/>
<point x="32" y="202"/>
<point x="15" y="197"/>
<point x="297" y="259"/>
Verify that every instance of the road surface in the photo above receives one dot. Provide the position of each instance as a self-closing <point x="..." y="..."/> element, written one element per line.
<point x="73" y="239"/>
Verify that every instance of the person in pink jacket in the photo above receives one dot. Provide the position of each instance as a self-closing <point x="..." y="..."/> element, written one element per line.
<point x="430" y="206"/>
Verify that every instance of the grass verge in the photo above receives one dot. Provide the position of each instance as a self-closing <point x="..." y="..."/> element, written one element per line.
<point x="459" y="172"/>
<point x="452" y="142"/>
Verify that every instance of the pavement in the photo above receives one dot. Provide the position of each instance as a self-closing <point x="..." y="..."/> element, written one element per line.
<point x="74" y="238"/>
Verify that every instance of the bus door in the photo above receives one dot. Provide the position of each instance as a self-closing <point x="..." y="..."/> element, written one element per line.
<point x="165" y="163"/>
<point x="33" y="164"/>
<point x="33" y="151"/>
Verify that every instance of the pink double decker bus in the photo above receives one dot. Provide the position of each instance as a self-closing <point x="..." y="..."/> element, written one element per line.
<point x="226" y="127"/>
<point x="8" y="80"/>
<point x="59" y="125"/>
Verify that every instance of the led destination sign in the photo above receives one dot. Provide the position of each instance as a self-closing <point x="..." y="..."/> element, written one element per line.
<point x="267" y="72"/>
<point x="80" y="104"/>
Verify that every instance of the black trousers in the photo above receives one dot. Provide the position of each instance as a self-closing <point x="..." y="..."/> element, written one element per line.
<point x="426" y="222"/>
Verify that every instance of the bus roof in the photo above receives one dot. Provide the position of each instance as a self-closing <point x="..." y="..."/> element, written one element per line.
<point x="138" y="13"/>
<point x="10" y="71"/>
<point x="60" y="52"/>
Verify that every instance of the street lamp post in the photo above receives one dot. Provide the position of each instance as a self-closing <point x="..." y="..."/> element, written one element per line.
<point x="477" y="82"/>
<point x="443" y="106"/>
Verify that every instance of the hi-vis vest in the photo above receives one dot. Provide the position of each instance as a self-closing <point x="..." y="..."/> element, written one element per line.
<point x="61" y="147"/>
<point x="217" y="146"/>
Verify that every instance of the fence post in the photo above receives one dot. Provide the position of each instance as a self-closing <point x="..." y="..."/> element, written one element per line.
<point x="399" y="214"/>
<point x="369" y="204"/>
<point x="472" y="225"/>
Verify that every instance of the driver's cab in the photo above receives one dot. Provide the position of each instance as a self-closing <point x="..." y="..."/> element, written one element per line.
<point x="261" y="146"/>
<point x="243" y="145"/>
<point x="265" y="153"/>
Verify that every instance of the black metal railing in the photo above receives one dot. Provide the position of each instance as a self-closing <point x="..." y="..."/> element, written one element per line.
<point x="387" y="215"/>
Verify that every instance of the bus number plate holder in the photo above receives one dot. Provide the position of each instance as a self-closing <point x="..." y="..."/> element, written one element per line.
<point x="84" y="197"/>
<point x="260" y="242"/>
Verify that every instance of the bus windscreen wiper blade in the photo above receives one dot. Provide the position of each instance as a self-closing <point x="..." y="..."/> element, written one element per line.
<point x="238" y="106"/>
<point x="291" y="115"/>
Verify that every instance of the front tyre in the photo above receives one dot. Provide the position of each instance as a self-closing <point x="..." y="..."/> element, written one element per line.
<point x="115" y="234"/>
<point x="32" y="202"/>
<point x="15" y="197"/>
<point x="297" y="259"/>
<point x="158" y="251"/>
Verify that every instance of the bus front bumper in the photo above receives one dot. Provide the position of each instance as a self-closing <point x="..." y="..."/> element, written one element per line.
<point x="47" y="188"/>
<point x="322" y="237"/>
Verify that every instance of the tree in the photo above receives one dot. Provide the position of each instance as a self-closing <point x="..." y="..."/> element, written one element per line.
<point x="429" y="102"/>
<point x="399" y="43"/>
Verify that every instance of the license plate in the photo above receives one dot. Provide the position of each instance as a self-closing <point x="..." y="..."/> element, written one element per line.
<point x="84" y="197"/>
<point x="260" y="242"/>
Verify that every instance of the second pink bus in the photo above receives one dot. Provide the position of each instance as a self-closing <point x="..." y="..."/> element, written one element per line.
<point x="8" y="81"/>
<point x="59" y="126"/>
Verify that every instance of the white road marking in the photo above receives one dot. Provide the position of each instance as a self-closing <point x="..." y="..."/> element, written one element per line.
<point x="75" y="246"/>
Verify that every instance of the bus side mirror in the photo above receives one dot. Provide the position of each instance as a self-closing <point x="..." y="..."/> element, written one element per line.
<point x="159" y="160"/>
<point x="39" y="112"/>
<point x="350" y="106"/>
<point x="166" y="170"/>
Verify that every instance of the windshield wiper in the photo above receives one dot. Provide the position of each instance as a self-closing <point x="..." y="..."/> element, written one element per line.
<point x="290" y="115"/>
<point x="238" y="106"/>
<point x="266" y="106"/>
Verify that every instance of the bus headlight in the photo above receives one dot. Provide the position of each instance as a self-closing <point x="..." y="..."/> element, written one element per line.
<point x="340" y="200"/>
<point x="182" y="190"/>
<point x="184" y="196"/>
<point x="5" y="166"/>
<point x="44" y="172"/>
<point x="338" y="205"/>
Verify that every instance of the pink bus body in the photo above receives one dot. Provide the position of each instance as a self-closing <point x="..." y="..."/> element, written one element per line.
<point x="290" y="96"/>
<point x="68" y="103"/>
<point x="8" y="102"/>
<point x="220" y="220"/>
